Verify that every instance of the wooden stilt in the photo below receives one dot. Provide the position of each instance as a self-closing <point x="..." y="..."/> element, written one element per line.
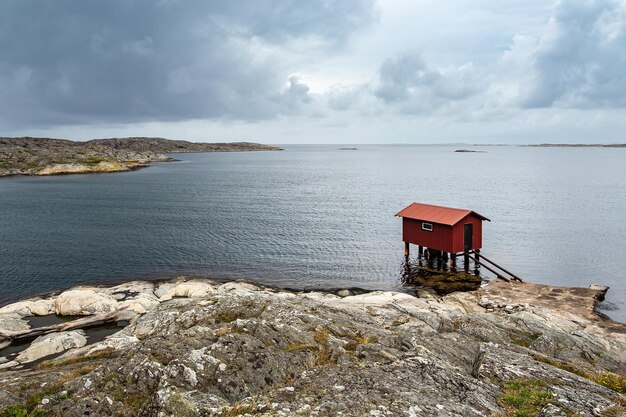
<point x="406" y="249"/>
<point x="420" y="250"/>
<point x="453" y="262"/>
<point x="466" y="262"/>
<point x="477" y="261"/>
<point x="444" y="261"/>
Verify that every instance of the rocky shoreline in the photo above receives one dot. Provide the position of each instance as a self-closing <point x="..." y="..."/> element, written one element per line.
<point x="200" y="347"/>
<point x="44" y="156"/>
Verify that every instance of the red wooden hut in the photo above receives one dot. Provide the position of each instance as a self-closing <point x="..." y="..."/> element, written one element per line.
<point x="446" y="229"/>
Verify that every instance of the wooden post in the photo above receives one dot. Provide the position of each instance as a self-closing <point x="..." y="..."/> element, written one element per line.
<point x="466" y="262"/>
<point x="406" y="250"/>
<point x="420" y="250"/>
<point x="477" y="261"/>
<point x="445" y="256"/>
<point x="453" y="262"/>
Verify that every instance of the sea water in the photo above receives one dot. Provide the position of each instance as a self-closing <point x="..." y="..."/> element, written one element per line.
<point x="316" y="217"/>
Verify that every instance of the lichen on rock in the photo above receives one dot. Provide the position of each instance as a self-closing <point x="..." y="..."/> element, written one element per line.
<point x="52" y="343"/>
<point x="214" y="349"/>
<point x="83" y="302"/>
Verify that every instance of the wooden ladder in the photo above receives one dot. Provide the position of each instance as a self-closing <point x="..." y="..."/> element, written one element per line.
<point x="500" y="275"/>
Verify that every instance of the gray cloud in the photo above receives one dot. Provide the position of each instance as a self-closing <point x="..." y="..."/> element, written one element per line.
<point x="408" y="77"/>
<point x="579" y="62"/>
<point x="296" y="94"/>
<point x="399" y="75"/>
<point x="68" y="62"/>
<point x="408" y="85"/>
<point x="132" y="66"/>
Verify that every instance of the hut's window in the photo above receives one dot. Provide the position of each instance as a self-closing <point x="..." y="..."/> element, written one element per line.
<point x="427" y="226"/>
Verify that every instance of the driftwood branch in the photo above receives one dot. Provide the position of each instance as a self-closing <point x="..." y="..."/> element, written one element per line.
<point x="62" y="327"/>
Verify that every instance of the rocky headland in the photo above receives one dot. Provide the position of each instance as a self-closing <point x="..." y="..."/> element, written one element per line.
<point x="205" y="348"/>
<point x="44" y="156"/>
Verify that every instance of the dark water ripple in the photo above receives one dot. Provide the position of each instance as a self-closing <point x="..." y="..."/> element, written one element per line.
<point x="315" y="216"/>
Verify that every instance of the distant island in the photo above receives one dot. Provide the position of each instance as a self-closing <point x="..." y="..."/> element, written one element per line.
<point x="468" y="150"/>
<point x="578" y="145"/>
<point x="45" y="156"/>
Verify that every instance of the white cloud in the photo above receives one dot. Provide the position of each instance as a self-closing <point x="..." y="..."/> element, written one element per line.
<point x="579" y="61"/>
<point x="411" y="84"/>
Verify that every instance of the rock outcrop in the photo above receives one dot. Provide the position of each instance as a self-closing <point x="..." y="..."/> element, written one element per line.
<point x="44" y="156"/>
<point x="100" y="167"/>
<point x="83" y="302"/>
<point x="50" y="344"/>
<point x="214" y="349"/>
<point x="36" y="307"/>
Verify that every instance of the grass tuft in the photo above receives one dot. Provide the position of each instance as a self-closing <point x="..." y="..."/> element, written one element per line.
<point x="226" y="317"/>
<point x="19" y="411"/>
<point x="610" y="380"/>
<point x="524" y="339"/>
<point x="607" y="379"/>
<point x="359" y="339"/>
<point x="31" y="407"/>
<point x="297" y="347"/>
<point x="134" y="400"/>
<point x="524" y="397"/>
<point x="321" y="336"/>
<point x="320" y="355"/>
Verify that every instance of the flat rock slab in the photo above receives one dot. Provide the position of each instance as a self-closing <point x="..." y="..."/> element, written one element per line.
<point x="12" y="322"/>
<point x="566" y="300"/>
<point x="83" y="302"/>
<point x="52" y="343"/>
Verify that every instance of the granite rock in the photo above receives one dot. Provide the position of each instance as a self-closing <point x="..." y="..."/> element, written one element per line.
<point x="50" y="344"/>
<point x="241" y="349"/>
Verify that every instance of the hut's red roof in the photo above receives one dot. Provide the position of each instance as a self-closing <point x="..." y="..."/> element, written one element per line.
<point x="436" y="214"/>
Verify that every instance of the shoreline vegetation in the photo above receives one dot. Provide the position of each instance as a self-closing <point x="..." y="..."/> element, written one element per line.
<point x="202" y="347"/>
<point x="45" y="156"/>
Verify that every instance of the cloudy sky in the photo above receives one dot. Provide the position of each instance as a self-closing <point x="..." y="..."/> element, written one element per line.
<point x="316" y="71"/>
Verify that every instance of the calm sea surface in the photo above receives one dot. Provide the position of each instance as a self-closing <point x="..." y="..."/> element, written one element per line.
<point x="316" y="216"/>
